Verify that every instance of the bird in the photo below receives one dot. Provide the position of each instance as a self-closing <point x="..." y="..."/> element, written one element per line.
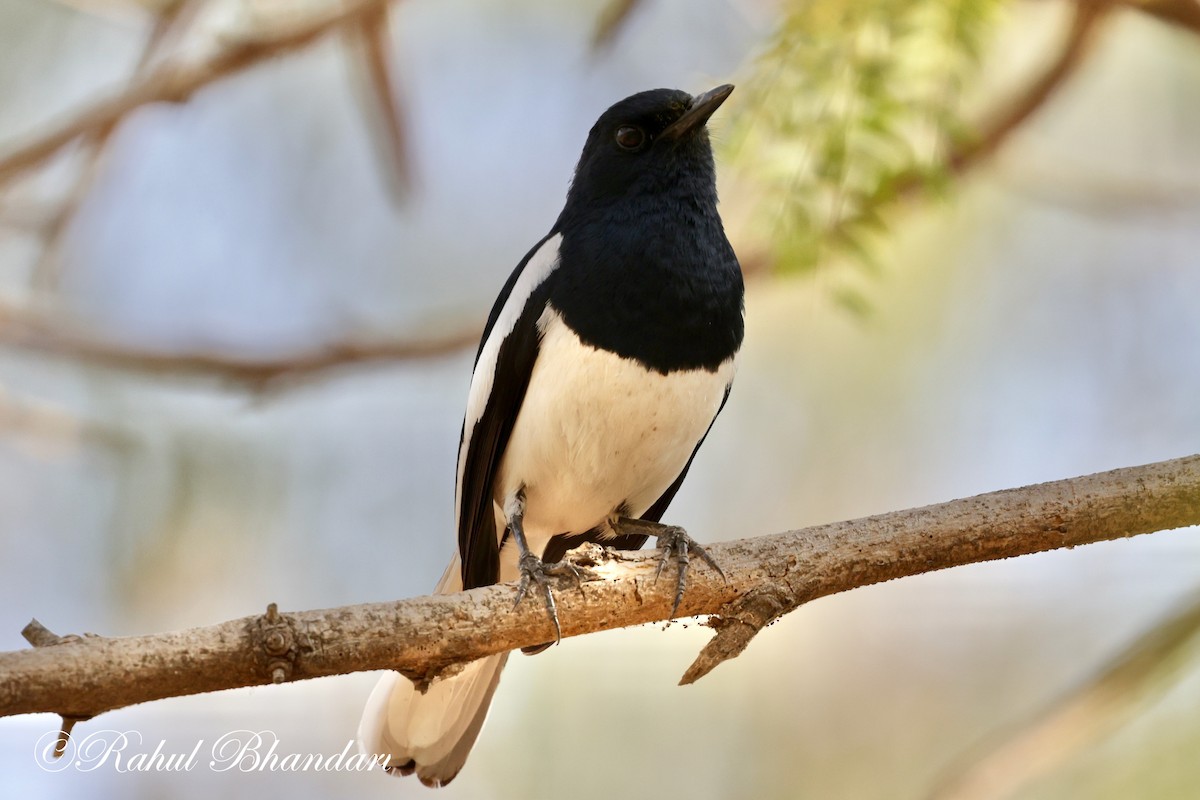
<point x="605" y="360"/>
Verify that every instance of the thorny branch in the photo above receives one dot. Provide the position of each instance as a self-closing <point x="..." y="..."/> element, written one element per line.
<point x="767" y="576"/>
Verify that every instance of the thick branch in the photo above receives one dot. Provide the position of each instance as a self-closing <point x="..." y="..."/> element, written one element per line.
<point x="424" y="635"/>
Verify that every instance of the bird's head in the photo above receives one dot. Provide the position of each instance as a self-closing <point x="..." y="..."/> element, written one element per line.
<point x="646" y="144"/>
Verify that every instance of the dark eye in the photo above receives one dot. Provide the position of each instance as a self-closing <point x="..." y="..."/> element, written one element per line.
<point x="630" y="137"/>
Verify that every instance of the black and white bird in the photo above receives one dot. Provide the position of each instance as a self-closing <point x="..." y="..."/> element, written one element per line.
<point x="606" y="358"/>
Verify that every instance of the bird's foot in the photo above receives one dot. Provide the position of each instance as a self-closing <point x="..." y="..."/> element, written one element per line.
<point x="676" y="544"/>
<point x="534" y="571"/>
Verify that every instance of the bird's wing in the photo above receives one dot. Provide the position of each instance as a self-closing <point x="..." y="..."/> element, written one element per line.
<point x="502" y="369"/>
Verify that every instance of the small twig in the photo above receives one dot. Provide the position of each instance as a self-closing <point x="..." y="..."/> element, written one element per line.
<point x="175" y="83"/>
<point x="64" y="733"/>
<point x="48" y="266"/>
<point x="373" y="40"/>
<point x="39" y="635"/>
<point x="736" y="625"/>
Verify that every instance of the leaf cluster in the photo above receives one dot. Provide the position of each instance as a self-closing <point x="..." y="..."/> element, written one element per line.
<point x="851" y="100"/>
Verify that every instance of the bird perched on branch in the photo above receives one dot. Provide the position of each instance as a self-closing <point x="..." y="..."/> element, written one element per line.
<point x="605" y="360"/>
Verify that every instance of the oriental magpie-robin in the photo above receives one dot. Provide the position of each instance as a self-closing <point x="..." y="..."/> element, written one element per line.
<point x="605" y="360"/>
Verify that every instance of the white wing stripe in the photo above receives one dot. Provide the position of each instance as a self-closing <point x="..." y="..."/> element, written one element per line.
<point x="539" y="266"/>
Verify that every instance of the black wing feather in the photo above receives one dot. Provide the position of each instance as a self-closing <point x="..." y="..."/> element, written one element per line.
<point x="478" y="543"/>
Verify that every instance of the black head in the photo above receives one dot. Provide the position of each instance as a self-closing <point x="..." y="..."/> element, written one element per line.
<point x="646" y="144"/>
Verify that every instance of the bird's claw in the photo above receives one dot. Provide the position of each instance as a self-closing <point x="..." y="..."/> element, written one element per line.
<point x="675" y="542"/>
<point x="534" y="571"/>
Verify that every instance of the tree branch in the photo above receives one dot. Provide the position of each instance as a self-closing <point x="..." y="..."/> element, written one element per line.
<point x="1181" y="13"/>
<point x="46" y="270"/>
<point x="50" y="335"/>
<point x="1142" y="672"/>
<point x="993" y="132"/>
<point x="989" y="135"/>
<point x="612" y="20"/>
<point x="387" y="125"/>
<point x="175" y="83"/>
<point x="425" y="635"/>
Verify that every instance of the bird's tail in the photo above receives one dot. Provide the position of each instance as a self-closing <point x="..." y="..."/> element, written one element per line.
<point x="431" y="732"/>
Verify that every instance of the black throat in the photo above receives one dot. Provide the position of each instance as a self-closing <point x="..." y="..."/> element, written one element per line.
<point x="650" y="275"/>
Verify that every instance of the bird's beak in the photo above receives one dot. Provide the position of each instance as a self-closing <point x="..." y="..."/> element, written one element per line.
<point x="703" y="106"/>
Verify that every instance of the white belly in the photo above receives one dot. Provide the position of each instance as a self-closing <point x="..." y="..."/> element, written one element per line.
<point x="598" y="434"/>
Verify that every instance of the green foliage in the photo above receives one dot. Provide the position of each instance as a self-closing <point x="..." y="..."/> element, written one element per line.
<point x="852" y="100"/>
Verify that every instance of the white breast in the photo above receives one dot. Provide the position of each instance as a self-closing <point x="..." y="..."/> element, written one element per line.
<point x="597" y="431"/>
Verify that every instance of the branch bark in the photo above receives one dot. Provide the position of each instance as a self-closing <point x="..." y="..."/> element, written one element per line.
<point x="767" y="577"/>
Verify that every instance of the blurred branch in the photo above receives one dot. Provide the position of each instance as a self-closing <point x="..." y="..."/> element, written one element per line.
<point x="54" y="425"/>
<point x="837" y="194"/>
<point x="766" y="577"/>
<point x="175" y="83"/>
<point x="27" y="217"/>
<point x="119" y="10"/>
<point x="611" y="21"/>
<point x="1002" y="123"/>
<point x="1182" y="13"/>
<point x="1144" y="671"/>
<point x="46" y="270"/>
<point x="373" y="33"/>
<point x="41" y="333"/>
<point x="992" y="134"/>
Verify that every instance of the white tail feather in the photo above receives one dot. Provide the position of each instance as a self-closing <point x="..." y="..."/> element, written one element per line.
<point x="430" y="733"/>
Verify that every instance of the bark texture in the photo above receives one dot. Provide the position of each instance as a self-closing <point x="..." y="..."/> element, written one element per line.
<point x="767" y="576"/>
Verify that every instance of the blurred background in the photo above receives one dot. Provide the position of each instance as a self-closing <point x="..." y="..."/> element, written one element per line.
<point x="238" y="307"/>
